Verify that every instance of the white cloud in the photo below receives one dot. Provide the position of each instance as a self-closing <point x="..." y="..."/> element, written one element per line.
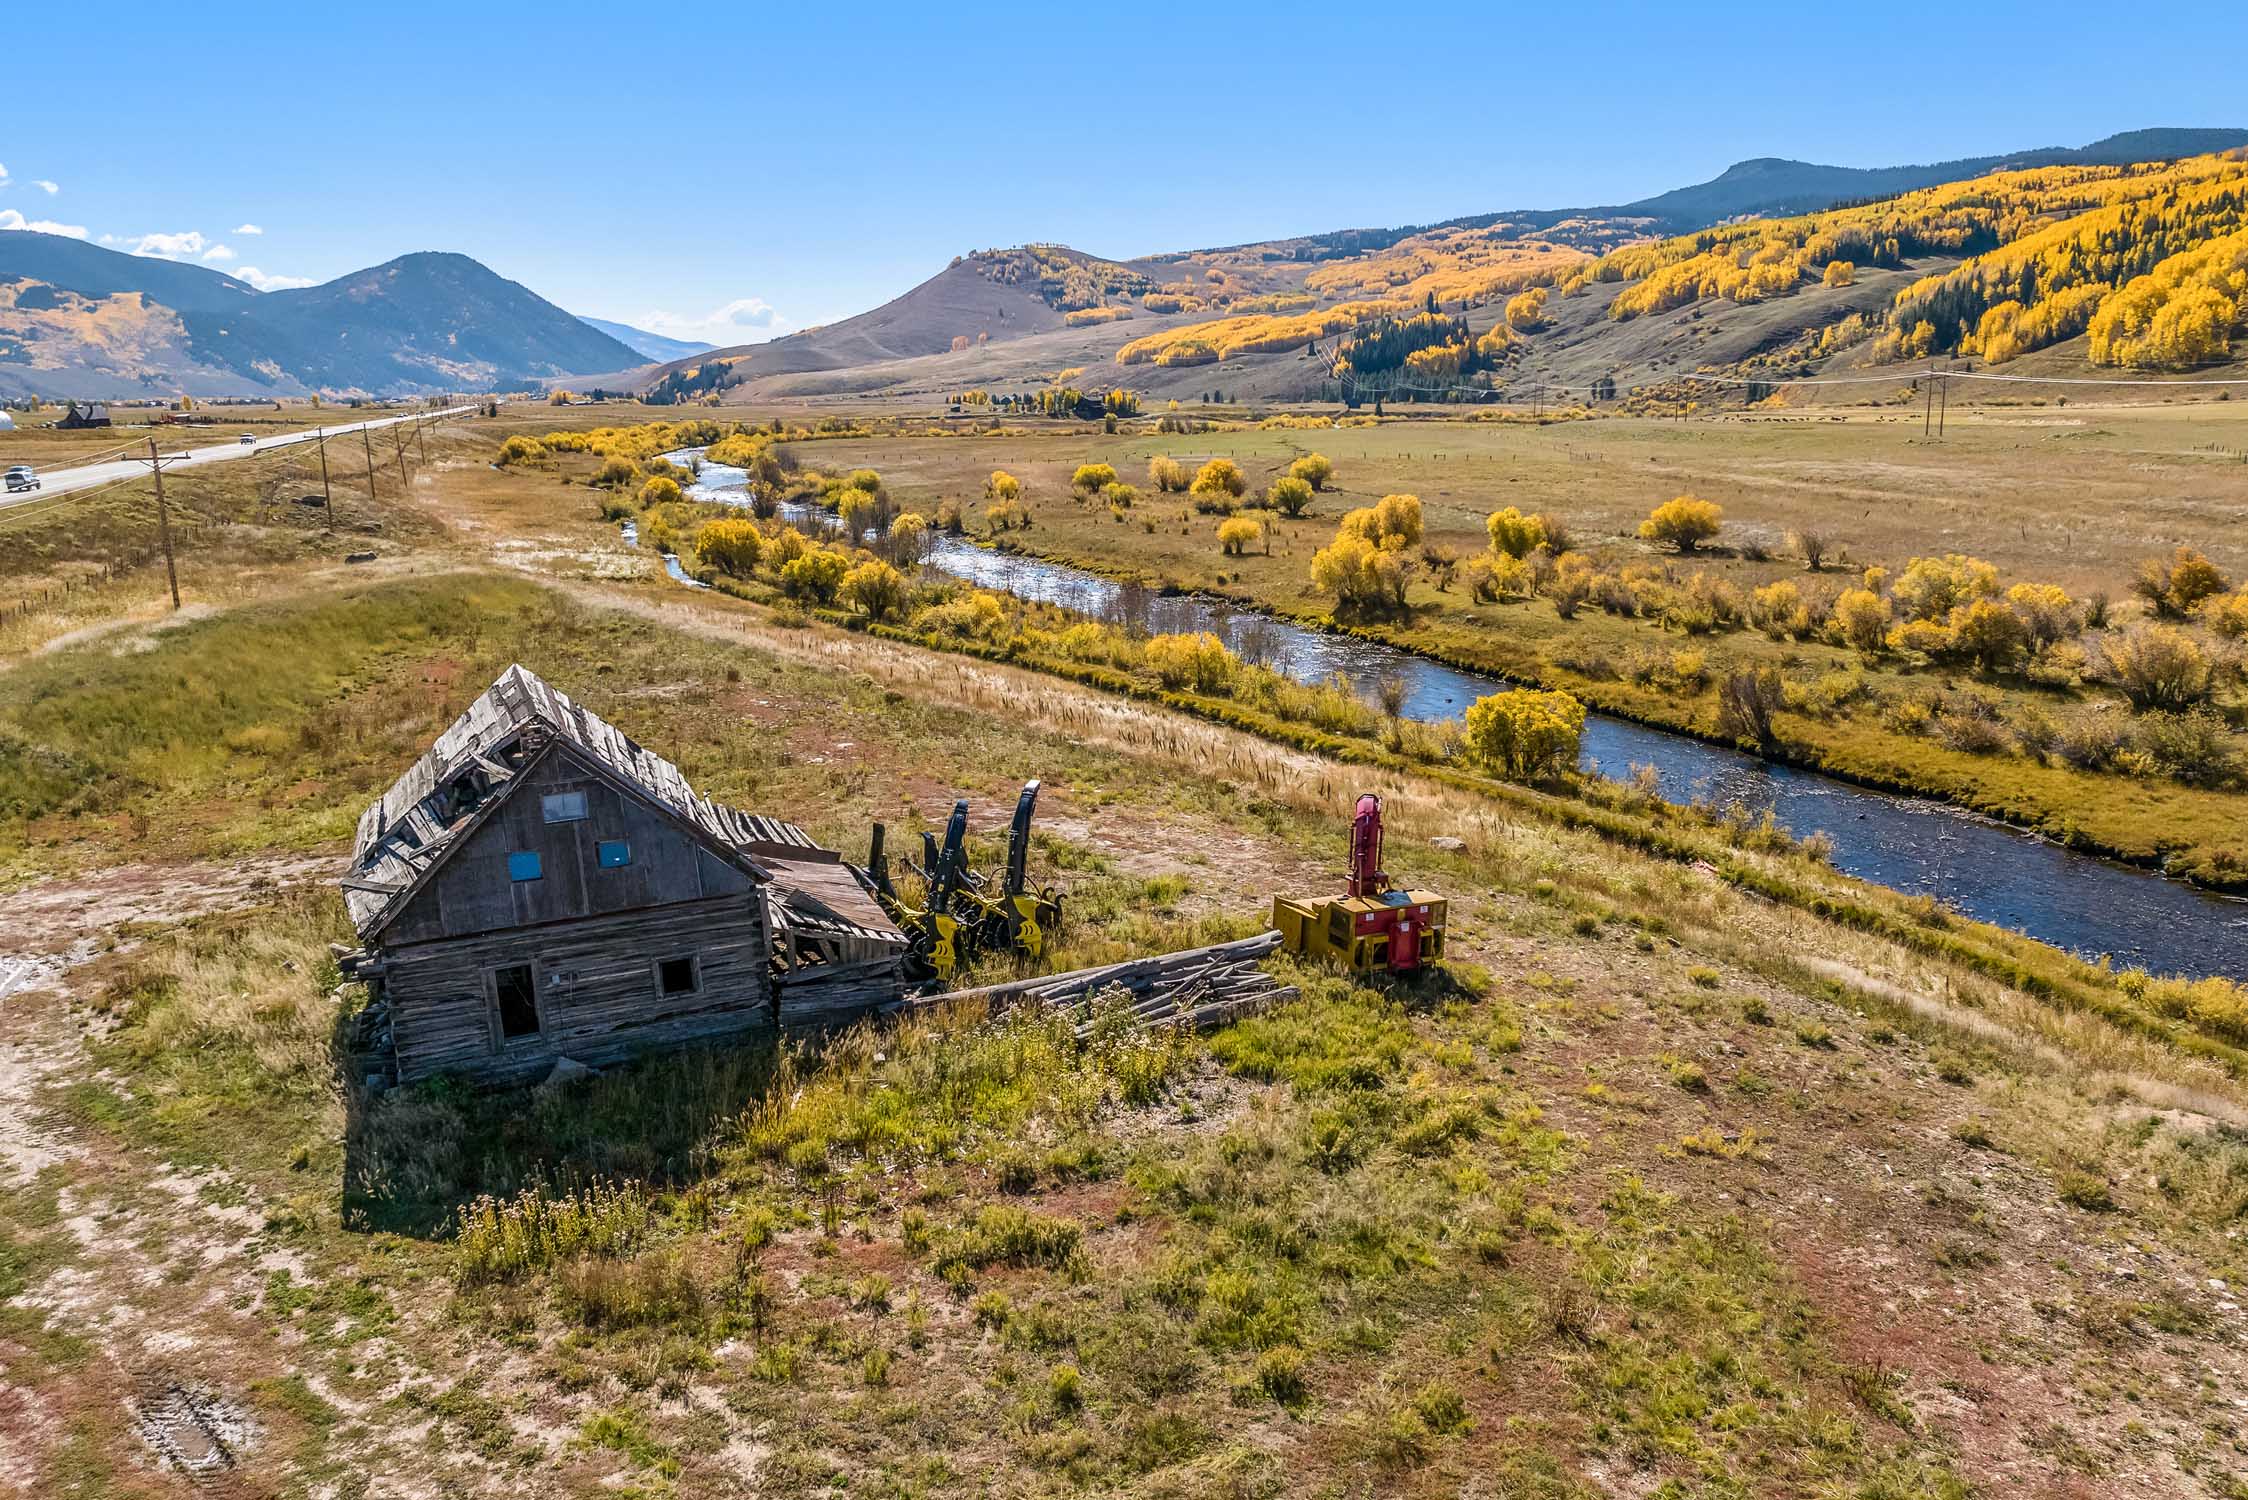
<point x="745" y="320"/>
<point x="44" y="186"/>
<point x="185" y="245"/>
<point x="10" y="219"/>
<point x="265" y="283"/>
<point x="249" y="229"/>
<point x="219" y="252"/>
<point x="3" y="174"/>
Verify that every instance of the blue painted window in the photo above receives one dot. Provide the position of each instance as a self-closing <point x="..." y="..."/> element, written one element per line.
<point x="615" y="854"/>
<point x="523" y="864"/>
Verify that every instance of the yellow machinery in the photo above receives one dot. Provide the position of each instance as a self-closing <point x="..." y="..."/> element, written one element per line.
<point x="1370" y="927"/>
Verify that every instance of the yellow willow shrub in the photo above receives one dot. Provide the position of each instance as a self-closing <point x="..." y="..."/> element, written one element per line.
<point x="740" y="450"/>
<point x="1086" y="317"/>
<point x="1778" y="610"/>
<point x="874" y="588"/>
<point x="2047" y="612"/>
<point x="1392" y="525"/>
<point x="785" y="546"/>
<point x="1514" y="533"/>
<point x="1220" y="476"/>
<point x="978" y="616"/>
<point x="732" y="547"/>
<point x="1290" y="496"/>
<point x="1684" y="523"/>
<point x="1197" y="661"/>
<point x="1168" y="475"/>
<point x="2227" y="614"/>
<point x="1525" y="735"/>
<point x="1237" y="534"/>
<point x="815" y="576"/>
<point x="1860" y="620"/>
<point x="1930" y="588"/>
<point x="2216" y="1006"/>
<point x="1361" y="576"/>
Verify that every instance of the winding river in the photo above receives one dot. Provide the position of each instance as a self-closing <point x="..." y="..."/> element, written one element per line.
<point x="1974" y="865"/>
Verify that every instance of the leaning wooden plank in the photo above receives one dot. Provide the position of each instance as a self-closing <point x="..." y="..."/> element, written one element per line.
<point x="1130" y="972"/>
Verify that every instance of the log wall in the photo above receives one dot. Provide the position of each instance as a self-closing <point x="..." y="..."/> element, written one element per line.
<point x="598" y="996"/>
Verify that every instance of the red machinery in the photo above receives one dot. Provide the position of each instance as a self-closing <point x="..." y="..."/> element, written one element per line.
<point x="1371" y="926"/>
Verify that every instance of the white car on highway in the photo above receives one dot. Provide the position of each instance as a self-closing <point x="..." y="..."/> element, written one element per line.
<point x="22" y="477"/>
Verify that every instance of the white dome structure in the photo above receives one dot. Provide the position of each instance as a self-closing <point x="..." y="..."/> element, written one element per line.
<point x="7" y="422"/>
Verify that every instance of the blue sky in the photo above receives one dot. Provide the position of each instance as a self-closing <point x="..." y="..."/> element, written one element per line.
<point x="732" y="171"/>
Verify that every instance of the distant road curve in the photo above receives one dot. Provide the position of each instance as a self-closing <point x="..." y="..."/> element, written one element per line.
<point x="53" y="482"/>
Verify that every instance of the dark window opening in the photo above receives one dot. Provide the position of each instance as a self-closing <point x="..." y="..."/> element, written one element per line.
<point x="563" y="807"/>
<point x="519" y="1002"/>
<point x="676" y="976"/>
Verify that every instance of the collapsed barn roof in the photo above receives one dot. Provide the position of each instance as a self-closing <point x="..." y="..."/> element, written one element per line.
<point x="406" y="833"/>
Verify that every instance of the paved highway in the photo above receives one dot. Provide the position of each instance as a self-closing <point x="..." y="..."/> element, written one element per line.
<point x="53" y="482"/>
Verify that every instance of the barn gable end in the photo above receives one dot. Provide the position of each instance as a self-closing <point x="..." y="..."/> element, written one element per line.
<point x="538" y="887"/>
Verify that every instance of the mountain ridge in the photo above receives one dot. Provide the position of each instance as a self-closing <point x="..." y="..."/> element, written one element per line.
<point x="80" y="320"/>
<point x="652" y="346"/>
<point x="915" y="335"/>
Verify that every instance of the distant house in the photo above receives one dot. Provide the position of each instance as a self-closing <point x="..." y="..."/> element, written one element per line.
<point x="539" y="887"/>
<point x="84" y="414"/>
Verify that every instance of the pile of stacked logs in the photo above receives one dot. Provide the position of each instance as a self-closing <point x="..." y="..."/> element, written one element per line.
<point x="1197" y="987"/>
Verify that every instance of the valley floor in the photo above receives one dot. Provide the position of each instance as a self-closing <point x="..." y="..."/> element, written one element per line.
<point x="2140" y="481"/>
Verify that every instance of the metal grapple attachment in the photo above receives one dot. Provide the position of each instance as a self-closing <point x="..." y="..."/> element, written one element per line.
<point x="962" y="912"/>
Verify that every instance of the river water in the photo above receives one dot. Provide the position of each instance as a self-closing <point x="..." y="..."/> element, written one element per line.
<point x="1978" y="867"/>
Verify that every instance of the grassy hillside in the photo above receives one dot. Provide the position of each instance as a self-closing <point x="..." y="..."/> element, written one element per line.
<point x="1609" y="1202"/>
<point x="2152" y="256"/>
<point x="2133" y="266"/>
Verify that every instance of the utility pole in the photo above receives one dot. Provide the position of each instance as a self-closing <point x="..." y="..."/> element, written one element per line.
<point x="164" y="523"/>
<point x="398" y="445"/>
<point x="327" y="495"/>
<point x="1928" y="404"/>
<point x="368" y="443"/>
<point x="1943" y="404"/>
<point x="421" y="446"/>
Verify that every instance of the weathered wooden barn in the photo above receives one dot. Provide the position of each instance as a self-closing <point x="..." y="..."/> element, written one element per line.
<point x="539" y="887"/>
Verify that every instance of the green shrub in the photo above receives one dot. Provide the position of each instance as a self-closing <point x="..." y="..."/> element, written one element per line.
<point x="502" y="1241"/>
<point x="1280" y="1375"/>
<point x="1002" y="1234"/>
<point x="2086" y="1191"/>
